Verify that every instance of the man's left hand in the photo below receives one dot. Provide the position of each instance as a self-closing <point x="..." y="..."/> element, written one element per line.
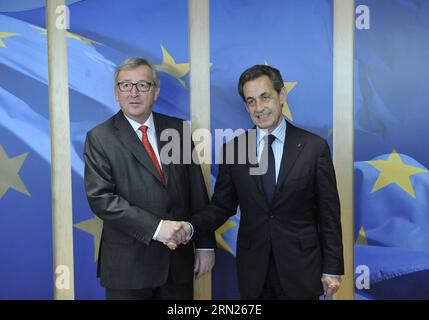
<point x="204" y="262"/>
<point x="331" y="284"/>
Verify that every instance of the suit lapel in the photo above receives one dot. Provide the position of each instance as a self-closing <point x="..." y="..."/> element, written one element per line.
<point x="131" y="142"/>
<point x="293" y="146"/>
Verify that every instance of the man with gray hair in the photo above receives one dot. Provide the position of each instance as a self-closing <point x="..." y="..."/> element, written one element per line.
<point x="141" y="199"/>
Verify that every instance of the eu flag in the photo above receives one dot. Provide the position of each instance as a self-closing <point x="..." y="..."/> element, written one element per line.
<point x="391" y="175"/>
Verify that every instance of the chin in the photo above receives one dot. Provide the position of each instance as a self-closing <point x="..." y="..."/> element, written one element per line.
<point x="136" y="111"/>
<point x="265" y="126"/>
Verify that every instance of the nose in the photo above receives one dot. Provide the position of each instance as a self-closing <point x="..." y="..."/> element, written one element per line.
<point x="134" y="92"/>
<point x="258" y="105"/>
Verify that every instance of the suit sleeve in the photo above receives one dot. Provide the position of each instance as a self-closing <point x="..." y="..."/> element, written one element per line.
<point x="113" y="209"/>
<point x="329" y="213"/>
<point x="198" y="194"/>
<point x="199" y="200"/>
<point x="222" y="205"/>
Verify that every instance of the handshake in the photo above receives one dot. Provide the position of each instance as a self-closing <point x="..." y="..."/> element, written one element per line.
<point x="174" y="233"/>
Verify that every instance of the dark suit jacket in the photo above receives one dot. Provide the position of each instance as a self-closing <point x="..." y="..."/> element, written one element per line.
<point x="302" y="224"/>
<point x="124" y="189"/>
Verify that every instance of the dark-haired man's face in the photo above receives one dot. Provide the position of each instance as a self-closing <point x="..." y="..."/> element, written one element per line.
<point x="263" y="102"/>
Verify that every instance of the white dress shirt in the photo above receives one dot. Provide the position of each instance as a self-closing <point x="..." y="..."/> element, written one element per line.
<point x="277" y="145"/>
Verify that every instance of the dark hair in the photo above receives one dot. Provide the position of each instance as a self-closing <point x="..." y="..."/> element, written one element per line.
<point x="257" y="71"/>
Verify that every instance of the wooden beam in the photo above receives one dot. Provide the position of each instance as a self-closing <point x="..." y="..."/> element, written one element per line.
<point x="199" y="58"/>
<point x="62" y="222"/>
<point x="343" y="132"/>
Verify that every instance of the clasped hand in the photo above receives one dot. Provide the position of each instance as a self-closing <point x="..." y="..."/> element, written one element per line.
<point x="174" y="233"/>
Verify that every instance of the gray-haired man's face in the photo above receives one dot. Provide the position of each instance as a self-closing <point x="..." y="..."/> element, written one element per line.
<point x="137" y="105"/>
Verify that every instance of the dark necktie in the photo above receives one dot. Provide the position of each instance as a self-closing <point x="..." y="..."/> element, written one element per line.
<point x="150" y="152"/>
<point x="269" y="178"/>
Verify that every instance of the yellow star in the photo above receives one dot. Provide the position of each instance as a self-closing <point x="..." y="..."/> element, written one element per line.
<point x="222" y="229"/>
<point x="169" y="66"/>
<point x="4" y="35"/>
<point x="83" y="39"/>
<point x="92" y="226"/>
<point x="9" y="169"/>
<point x="393" y="170"/>
<point x="362" y="240"/>
<point x="72" y="36"/>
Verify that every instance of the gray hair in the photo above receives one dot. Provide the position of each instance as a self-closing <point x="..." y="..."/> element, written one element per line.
<point x="133" y="63"/>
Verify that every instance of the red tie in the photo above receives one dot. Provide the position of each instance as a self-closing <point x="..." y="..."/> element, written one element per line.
<point x="150" y="152"/>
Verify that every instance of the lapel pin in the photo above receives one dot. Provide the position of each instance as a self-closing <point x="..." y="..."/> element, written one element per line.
<point x="299" y="145"/>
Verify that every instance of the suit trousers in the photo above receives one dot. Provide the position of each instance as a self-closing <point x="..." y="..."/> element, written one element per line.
<point x="272" y="289"/>
<point x="168" y="291"/>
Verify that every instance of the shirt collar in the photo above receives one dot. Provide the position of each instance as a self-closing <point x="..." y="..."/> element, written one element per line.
<point x="279" y="132"/>
<point x="136" y="126"/>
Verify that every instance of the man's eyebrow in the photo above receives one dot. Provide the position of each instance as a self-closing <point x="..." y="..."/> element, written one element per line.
<point x="265" y="93"/>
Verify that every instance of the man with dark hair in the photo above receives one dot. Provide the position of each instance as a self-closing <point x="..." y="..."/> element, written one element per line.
<point x="289" y="243"/>
<point x="140" y="197"/>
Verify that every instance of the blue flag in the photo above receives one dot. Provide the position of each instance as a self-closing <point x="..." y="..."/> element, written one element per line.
<point x="391" y="175"/>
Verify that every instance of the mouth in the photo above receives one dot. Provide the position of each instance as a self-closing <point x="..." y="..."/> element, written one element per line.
<point x="263" y="116"/>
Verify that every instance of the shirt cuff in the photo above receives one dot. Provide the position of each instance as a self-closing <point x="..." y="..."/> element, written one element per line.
<point x="157" y="230"/>
<point x="192" y="231"/>
<point x="331" y="275"/>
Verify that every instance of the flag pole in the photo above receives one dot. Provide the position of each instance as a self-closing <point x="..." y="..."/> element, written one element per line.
<point x="199" y="59"/>
<point x="343" y="134"/>
<point x="62" y="222"/>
